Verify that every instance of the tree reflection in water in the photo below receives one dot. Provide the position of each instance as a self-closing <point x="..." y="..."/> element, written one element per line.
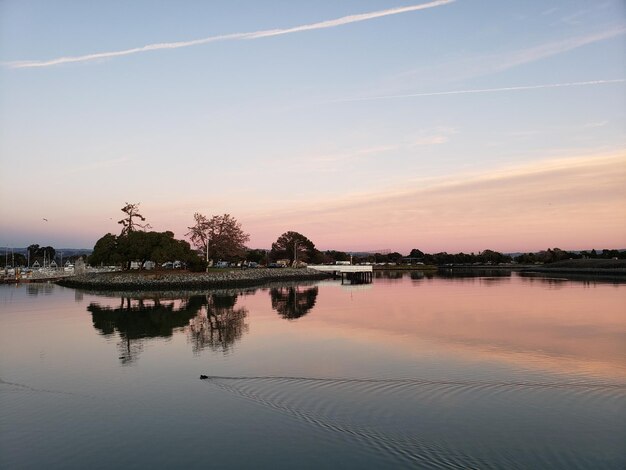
<point x="218" y="325"/>
<point x="293" y="302"/>
<point x="209" y="320"/>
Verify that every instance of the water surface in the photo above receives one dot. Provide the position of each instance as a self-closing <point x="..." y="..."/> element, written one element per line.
<point x="490" y="371"/>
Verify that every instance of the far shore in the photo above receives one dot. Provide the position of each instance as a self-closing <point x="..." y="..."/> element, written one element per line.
<point x="615" y="267"/>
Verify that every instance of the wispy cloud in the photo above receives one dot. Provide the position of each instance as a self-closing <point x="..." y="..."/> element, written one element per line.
<point x="428" y="137"/>
<point x="466" y="67"/>
<point x="334" y="161"/>
<point x="230" y="37"/>
<point x="482" y="90"/>
<point x="354" y="154"/>
<point x="595" y="124"/>
<point x="553" y="48"/>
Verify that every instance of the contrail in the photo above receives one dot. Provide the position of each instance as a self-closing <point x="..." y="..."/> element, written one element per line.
<point x="229" y="37"/>
<point x="480" y="90"/>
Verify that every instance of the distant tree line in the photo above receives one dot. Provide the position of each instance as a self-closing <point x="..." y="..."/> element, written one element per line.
<point x="484" y="257"/>
<point x="35" y="254"/>
<point x="555" y="254"/>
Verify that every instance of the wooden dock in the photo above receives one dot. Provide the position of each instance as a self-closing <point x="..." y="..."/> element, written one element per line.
<point x="354" y="274"/>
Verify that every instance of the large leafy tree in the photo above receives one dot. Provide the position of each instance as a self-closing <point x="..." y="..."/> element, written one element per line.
<point x="141" y="247"/>
<point x="415" y="253"/>
<point x="223" y="234"/>
<point x="154" y="246"/>
<point x="130" y="222"/>
<point x="291" y="245"/>
<point x="105" y="251"/>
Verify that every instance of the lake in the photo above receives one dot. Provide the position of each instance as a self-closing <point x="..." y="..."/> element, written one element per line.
<point x="497" y="370"/>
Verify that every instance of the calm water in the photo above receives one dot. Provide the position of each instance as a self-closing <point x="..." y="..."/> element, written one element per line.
<point x="409" y="372"/>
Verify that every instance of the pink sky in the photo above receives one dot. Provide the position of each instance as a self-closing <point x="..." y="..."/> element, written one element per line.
<point x="573" y="203"/>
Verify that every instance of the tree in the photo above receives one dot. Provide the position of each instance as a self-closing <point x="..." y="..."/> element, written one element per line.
<point x="105" y="251"/>
<point x="331" y="256"/>
<point x="19" y="259"/>
<point x="41" y="254"/>
<point x="153" y="246"/>
<point x="493" y="257"/>
<point x="292" y="244"/>
<point x="226" y="238"/>
<point x="256" y="255"/>
<point x="128" y="223"/>
<point x="144" y="246"/>
<point x="32" y="251"/>
<point x="199" y="233"/>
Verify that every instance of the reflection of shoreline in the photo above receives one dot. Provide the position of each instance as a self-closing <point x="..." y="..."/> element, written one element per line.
<point x="210" y="320"/>
<point x="503" y="274"/>
<point x="177" y="294"/>
<point x="555" y="276"/>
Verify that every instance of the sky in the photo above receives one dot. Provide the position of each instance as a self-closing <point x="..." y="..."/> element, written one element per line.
<point x="369" y="125"/>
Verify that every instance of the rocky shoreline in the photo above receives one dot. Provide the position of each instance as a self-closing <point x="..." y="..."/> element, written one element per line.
<point x="176" y="280"/>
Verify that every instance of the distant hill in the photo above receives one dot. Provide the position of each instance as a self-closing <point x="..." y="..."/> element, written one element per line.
<point x="66" y="251"/>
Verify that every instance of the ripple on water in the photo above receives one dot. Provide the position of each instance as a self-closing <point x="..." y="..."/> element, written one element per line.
<point x="449" y="424"/>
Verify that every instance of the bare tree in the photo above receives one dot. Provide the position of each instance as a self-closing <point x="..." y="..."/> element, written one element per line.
<point x="226" y="238"/>
<point x="128" y="222"/>
<point x="220" y="237"/>
<point x="199" y="233"/>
